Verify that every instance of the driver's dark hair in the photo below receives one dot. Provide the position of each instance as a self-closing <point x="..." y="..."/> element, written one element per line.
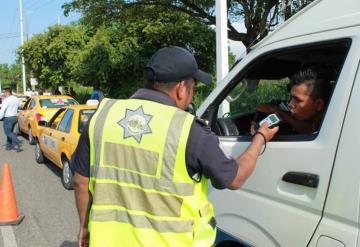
<point x="316" y="79"/>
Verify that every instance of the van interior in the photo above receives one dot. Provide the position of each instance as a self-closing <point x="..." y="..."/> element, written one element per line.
<point x="266" y="80"/>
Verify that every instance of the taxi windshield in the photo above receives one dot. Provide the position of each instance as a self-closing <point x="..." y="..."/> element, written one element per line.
<point x="56" y="102"/>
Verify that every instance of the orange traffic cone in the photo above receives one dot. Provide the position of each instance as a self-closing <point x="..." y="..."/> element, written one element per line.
<point x="8" y="210"/>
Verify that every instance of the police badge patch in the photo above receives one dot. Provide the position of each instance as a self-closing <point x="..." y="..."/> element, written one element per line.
<point x="135" y="124"/>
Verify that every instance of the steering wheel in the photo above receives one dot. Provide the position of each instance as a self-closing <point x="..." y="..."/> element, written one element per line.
<point x="258" y="116"/>
<point x="227" y="127"/>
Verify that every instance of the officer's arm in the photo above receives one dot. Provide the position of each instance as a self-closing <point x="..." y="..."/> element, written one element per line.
<point x="83" y="198"/>
<point x="247" y="160"/>
<point x="4" y="106"/>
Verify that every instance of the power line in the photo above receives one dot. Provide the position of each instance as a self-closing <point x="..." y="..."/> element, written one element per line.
<point x="10" y="36"/>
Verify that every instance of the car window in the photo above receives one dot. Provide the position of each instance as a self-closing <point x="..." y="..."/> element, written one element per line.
<point x="30" y="104"/>
<point x="84" y="117"/>
<point x="56" y="102"/>
<point x="65" y="123"/>
<point x="266" y="80"/>
<point x="55" y="122"/>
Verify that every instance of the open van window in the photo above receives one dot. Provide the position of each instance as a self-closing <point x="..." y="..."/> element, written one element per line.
<point x="266" y="80"/>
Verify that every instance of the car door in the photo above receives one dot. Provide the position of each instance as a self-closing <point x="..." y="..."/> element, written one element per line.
<point x="47" y="141"/>
<point x="23" y="115"/>
<point x="30" y="114"/>
<point x="281" y="203"/>
<point x="62" y="135"/>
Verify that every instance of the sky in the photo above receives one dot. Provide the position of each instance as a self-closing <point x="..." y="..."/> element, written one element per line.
<point x="38" y="15"/>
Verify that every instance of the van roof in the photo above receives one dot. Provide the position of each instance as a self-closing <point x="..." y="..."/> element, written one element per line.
<point x="319" y="16"/>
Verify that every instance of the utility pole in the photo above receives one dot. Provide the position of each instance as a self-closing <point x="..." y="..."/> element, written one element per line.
<point x="222" y="62"/>
<point x="22" y="42"/>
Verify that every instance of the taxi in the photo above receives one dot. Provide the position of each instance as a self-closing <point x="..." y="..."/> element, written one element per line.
<point x="58" y="138"/>
<point x="40" y="108"/>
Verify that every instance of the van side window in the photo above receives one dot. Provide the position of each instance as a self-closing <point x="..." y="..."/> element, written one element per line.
<point x="271" y="84"/>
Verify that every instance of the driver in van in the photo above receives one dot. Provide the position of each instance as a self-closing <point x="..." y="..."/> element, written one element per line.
<point x="309" y="95"/>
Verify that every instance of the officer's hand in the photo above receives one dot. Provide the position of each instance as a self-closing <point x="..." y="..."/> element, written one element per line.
<point x="268" y="133"/>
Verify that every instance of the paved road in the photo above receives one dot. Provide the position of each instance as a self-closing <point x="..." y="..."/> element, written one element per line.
<point x="50" y="212"/>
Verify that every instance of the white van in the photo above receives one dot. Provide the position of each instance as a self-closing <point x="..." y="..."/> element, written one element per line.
<point x="305" y="190"/>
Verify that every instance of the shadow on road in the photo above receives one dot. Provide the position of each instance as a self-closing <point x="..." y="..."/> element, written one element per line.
<point x="68" y="244"/>
<point x="52" y="167"/>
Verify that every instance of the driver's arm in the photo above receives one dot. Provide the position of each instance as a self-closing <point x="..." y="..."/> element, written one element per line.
<point x="302" y="127"/>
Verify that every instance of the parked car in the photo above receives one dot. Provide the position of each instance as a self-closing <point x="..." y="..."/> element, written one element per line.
<point x="304" y="190"/>
<point x="40" y="108"/>
<point x="59" y="137"/>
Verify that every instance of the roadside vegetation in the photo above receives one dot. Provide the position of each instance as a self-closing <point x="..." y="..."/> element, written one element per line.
<point x="109" y="46"/>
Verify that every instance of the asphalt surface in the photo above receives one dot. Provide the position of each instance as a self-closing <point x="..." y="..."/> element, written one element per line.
<point x="50" y="212"/>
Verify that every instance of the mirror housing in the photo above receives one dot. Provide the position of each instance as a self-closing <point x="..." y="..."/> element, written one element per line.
<point x="191" y="108"/>
<point x="43" y="123"/>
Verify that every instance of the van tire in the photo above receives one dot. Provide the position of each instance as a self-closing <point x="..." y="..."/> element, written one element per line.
<point x="67" y="175"/>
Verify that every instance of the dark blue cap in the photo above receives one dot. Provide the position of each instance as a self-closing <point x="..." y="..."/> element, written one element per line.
<point x="172" y="64"/>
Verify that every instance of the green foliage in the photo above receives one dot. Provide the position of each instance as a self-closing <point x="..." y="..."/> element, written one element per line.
<point x="10" y="76"/>
<point x="265" y="92"/>
<point x="258" y="17"/>
<point x="49" y="55"/>
<point x="115" y="56"/>
<point x="83" y="94"/>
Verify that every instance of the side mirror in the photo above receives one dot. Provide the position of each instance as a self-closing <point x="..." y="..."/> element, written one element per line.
<point x="42" y="123"/>
<point x="191" y="108"/>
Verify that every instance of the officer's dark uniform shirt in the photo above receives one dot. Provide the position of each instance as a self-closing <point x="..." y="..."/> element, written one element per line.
<point x="204" y="157"/>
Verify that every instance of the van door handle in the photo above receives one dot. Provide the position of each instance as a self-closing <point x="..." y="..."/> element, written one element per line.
<point x="302" y="178"/>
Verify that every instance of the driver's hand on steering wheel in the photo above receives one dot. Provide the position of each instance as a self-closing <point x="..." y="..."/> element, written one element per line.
<point x="252" y="127"/>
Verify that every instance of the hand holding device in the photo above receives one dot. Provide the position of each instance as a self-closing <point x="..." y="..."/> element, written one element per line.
<point x="272" y="120"/>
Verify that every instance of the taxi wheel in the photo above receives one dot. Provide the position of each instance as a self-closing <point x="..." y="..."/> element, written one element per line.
<point x="67" y="175"/>
<point x="32" y="140"/>
<point x="39" y="156"/>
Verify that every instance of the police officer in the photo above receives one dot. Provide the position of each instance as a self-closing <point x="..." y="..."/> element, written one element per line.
<point x="146" y="163"/>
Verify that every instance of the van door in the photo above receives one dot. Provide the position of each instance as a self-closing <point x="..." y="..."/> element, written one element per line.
<point x="281" y="204"/>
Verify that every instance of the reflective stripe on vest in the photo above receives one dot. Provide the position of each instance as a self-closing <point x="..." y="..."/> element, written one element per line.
<point x="141" y="221"/>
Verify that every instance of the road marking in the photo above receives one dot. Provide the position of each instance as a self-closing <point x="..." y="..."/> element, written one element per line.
<point x="8" y="236"/>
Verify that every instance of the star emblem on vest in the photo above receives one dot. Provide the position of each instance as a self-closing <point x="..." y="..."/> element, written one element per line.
<point x="135" y="124"/>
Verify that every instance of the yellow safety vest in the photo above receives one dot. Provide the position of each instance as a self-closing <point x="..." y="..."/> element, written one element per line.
<point x="142" y="193"/>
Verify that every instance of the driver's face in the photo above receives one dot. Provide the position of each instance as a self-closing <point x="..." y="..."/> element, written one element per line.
<point x="302" y="106"/>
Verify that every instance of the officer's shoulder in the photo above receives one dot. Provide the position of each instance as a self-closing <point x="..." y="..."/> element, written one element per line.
<point x="201" y="121"/>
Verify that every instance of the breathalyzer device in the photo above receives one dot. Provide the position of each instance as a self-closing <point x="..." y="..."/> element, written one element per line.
<point x="272" y="120"/>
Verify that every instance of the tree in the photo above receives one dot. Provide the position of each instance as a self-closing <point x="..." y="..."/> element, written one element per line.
<point x="259" y="17"/>
<point x="48" y="55"/>
<point x="10" y="76"/>
<point x="116" y="54"/>
<point x="113" y="56"/>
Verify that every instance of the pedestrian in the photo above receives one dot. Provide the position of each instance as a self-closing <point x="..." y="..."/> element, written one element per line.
<point x="142" y="165"/>
<point x="8" y="112"/>
<point x="72" y="93"/>
<point x="97" y="94"/>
